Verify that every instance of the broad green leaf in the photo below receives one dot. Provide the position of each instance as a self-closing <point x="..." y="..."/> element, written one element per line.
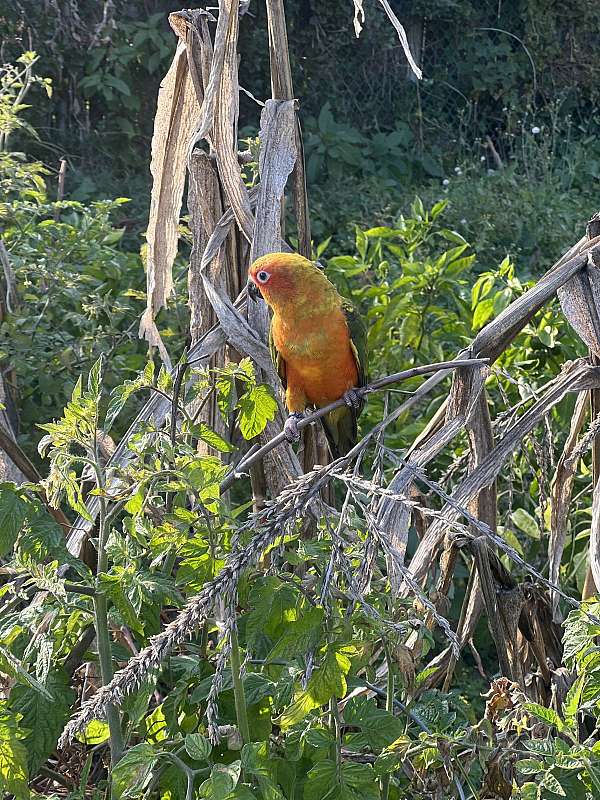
<point x="526" y="523"/>
<point x="481" y="314"/>
<point x="547" y="715"/>
<point x="301" y="634"/>
<point x="352" y="781"/>
<point x="327" y="681"/>
<point x="257" y="687"/>
<point x="132" y="773"/>
<point x="224" y="778"/>
<point x="95" y="732"/>
<point x="549" y="781"/>
<point x="380" y="727"/>
<point x="212" y="438"/>
<point x="43" y="717"/>
<point x="257" y="406"/>
<point x="530" y="766"/>
<point x="13" y="758"/>
<point x="13" y="511"/>
<point x="197" y="746"/>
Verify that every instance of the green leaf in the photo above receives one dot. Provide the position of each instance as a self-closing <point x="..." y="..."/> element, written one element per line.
<point x="13" y="511"/>
<point x="212" y="438"/>
<point x="328" y="681"/>
<point x="224" y="778"/>
<point x="526" y="523"/>
<point x="44" y="717"/>
<point x="257" y="406"/>
<point x="547" y="715"/>
<point x="95" y="378"/>
<point x="380" y="727"/>
<point x="95" y="732"/>
<point x="483" y="311"/>
<point x="118" y="397"/>
<point x="257" y="687"/>
<point x="549" y="781"/>
<point x="118" y="84"/>
<point x="197" y="746"/>
<point x="13" y="758"/>
<point x="11" y="665"/>
<point x="351" y="781"/>
<point x="115" y="587"/>
<point x="572" y="700"/>
<point x="132" y="773"/>
<point x="530" y="766"/>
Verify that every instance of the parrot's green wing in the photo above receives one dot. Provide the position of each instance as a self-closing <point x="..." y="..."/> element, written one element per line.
<point x="341" y="425"/>
<point x="277" y="360"/>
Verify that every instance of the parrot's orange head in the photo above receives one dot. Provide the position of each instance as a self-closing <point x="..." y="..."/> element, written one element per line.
<point x="279" y="277"/>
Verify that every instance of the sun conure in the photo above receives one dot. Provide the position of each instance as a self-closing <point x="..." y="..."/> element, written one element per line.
<point x="317" y="341"/>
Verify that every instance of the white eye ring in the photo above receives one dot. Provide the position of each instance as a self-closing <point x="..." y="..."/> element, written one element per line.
<point x="263" y="276"/>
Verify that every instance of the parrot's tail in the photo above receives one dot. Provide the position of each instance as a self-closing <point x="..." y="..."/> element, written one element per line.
<point x="340" y="428"/>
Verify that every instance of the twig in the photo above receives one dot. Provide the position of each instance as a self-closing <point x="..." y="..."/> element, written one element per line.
<point x="376" y="386"/>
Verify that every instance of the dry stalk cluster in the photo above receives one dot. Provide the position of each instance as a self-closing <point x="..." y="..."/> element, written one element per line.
<point x="196" y="133"/>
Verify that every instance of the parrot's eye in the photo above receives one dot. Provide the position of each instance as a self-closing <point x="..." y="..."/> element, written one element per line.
<point x="263" y="276"/>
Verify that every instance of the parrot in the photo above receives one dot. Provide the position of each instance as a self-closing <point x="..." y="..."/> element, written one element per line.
<point x="318" y="343"/>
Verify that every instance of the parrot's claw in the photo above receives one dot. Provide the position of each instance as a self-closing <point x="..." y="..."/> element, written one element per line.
<point x="290" y="429"/>
<point x="352" y="398"/>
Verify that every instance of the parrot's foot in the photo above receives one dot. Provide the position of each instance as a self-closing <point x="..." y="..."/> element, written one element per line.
<point x="290" y="429"/>
<point x="352" y="398"/>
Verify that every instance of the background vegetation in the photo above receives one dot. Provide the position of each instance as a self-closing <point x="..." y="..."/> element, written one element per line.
<point x="433" y="205"/>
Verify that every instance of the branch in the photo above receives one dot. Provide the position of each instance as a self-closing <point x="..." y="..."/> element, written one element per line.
<point x="376" y="386"/>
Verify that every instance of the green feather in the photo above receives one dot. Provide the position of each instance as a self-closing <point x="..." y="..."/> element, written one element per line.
<point x="341" y="425"/>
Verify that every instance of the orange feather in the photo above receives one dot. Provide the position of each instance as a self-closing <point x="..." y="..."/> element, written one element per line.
<point x="309" y="330"/>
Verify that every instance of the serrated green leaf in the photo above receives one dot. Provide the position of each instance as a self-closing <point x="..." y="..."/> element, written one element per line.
<point x="380" y="727"/>
<point x="13" y="511"/>
<point x="45" y="716"/>
<point x="13" y="758"/>
<point x="547" y="715"/>
<point x="95" y="732"/>
<point x="549" y="781"/>
<point x="529" y="766"/>
<point x="198" y="747"/>
<point x="212" y="438"/>
<point x="256" y="407"/>
<point x="349" y="781"/>
<point x="327" y="681"/>
<point x="132" y="773"/>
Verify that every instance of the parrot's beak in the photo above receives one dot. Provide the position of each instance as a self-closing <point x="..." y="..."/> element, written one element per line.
<point x="253" y="291"/>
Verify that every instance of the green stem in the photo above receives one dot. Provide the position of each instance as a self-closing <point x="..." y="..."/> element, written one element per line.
<point x="389" y="706"/>
<point x="241" y="710"/>
<point x="103" y="640"/>
<point x="336" y="730"/>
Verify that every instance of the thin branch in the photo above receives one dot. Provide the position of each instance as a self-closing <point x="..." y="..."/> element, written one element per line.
<point x="376" y="386"/>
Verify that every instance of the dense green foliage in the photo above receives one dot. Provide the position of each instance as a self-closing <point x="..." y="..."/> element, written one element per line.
<point x="427" y="274"/>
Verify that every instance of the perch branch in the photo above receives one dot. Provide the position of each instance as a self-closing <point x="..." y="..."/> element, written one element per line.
<point x="376" y="386"/>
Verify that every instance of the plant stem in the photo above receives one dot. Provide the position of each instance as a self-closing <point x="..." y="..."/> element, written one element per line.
<point x="389" y="706"/>
<point x="241" y="710"/>
<point x="103" y="640"/>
